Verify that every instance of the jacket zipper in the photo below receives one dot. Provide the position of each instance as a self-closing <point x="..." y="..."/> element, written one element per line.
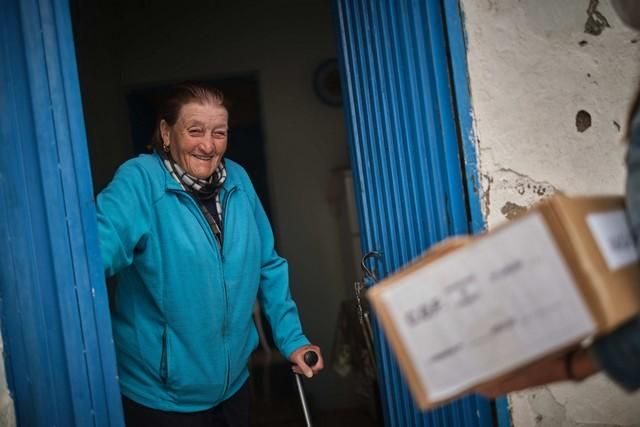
<point x="220" y="256"/>
<point x="225" y="202"/>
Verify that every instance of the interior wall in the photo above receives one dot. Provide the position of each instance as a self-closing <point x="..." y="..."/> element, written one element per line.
<point x="98" y="51"/>
<point x="533" y="67"/>
<point x="305" y="140"/>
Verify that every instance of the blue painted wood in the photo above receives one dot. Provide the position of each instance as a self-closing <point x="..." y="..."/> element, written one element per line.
<point x="55" y="320"/>
<point x="404" y="133"/>
<point x="503" y="412"/>
<point x="458" y="55"/>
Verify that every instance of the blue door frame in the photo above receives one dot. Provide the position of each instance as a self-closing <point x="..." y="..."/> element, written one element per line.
<point x="59" y="353"/>
<point x="406" y="94"/>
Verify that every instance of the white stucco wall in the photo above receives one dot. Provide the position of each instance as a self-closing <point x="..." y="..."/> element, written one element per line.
<point x="532" y="67"/>
<point x="7" y="412"/>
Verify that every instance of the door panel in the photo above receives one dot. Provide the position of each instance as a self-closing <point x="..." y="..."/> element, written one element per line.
<point x="405" y="149"/>
<point x="56" y="328"/>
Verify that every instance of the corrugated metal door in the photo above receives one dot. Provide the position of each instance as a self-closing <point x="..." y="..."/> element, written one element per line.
<point x="407" y="149"/>
<point x="60" y="359"/>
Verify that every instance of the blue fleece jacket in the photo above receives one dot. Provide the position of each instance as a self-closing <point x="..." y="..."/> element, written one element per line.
<point x="182" y="322"/>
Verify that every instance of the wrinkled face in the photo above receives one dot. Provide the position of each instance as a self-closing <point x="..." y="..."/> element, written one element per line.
<point x="198" y="139"/>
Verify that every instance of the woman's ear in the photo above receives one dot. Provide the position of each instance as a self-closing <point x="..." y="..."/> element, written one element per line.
<point x="165" y="131"/>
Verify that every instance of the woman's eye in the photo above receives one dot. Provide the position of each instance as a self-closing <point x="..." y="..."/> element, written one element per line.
<point x="220" y="134"/>
<point x="195" y="132"/>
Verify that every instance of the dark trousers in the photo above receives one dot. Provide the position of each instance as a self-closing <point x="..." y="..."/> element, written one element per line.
<point x="233" y="412"/>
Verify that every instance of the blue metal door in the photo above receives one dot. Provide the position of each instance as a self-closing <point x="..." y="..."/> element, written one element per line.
<point x="59" y="354"/>
<point x="406" y="100"/>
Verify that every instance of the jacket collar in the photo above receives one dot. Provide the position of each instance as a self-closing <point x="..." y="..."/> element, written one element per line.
<point x="170" y="184"/>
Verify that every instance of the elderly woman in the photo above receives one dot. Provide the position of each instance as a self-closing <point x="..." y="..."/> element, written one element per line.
<point x="190" y="245"/>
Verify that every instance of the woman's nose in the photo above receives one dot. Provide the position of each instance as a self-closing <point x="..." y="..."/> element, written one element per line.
<point x="210" y="145"/>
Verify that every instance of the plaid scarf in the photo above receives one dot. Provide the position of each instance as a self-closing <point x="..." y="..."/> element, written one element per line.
<point x="203" y="190"/>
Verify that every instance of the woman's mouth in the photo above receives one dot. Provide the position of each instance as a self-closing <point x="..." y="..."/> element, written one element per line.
<point x="203" y="157"/>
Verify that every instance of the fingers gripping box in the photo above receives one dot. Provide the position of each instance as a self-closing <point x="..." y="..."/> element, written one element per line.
<point x="476" y="308"/>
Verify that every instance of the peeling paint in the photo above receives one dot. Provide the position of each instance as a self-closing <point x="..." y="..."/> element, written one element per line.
<point x="474" y="184"/>
<point x="508" y="188"/>
<point x="535" y="188"/>
<point x="596" y="21"/>
<point x="617" y="125"/>
<point x="512" y="210"/>
<point x="583" y="120"/>
<point x="486" y="195"/>
<point x="524" y="184"/>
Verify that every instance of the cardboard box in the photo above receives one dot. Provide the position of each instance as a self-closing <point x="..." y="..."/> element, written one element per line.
<point x="473" y="309"/>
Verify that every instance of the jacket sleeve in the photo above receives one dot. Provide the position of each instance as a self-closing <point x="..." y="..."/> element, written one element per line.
<point x="274" y="293"/>
<point x="618" y="354"/>
<point x="123" y="210"/>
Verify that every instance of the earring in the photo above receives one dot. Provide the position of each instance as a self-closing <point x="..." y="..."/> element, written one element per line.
<point x="165" y="147"/>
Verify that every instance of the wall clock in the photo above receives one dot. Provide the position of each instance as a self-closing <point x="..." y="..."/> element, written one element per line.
<point x="326" y="83"/>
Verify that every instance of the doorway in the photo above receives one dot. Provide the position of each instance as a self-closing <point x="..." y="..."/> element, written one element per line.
<point x="293" y="144"/>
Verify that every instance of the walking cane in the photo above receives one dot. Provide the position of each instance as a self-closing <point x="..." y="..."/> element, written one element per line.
<point x="310" y="358"/>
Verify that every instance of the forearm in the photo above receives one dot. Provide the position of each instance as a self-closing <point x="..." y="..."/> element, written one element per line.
<point x="618" y="354"/>
<point x="279" y="307"/>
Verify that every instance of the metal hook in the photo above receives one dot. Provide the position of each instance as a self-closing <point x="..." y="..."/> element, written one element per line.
<point x="370" y="273"/>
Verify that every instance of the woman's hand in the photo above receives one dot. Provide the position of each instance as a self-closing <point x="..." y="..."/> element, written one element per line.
<point x="299" y="365"/>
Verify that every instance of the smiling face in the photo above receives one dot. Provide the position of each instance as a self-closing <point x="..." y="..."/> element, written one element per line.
<point x="198" y="139"/>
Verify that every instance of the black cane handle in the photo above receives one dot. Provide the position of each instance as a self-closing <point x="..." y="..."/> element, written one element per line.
<point x="311" y="358"/>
